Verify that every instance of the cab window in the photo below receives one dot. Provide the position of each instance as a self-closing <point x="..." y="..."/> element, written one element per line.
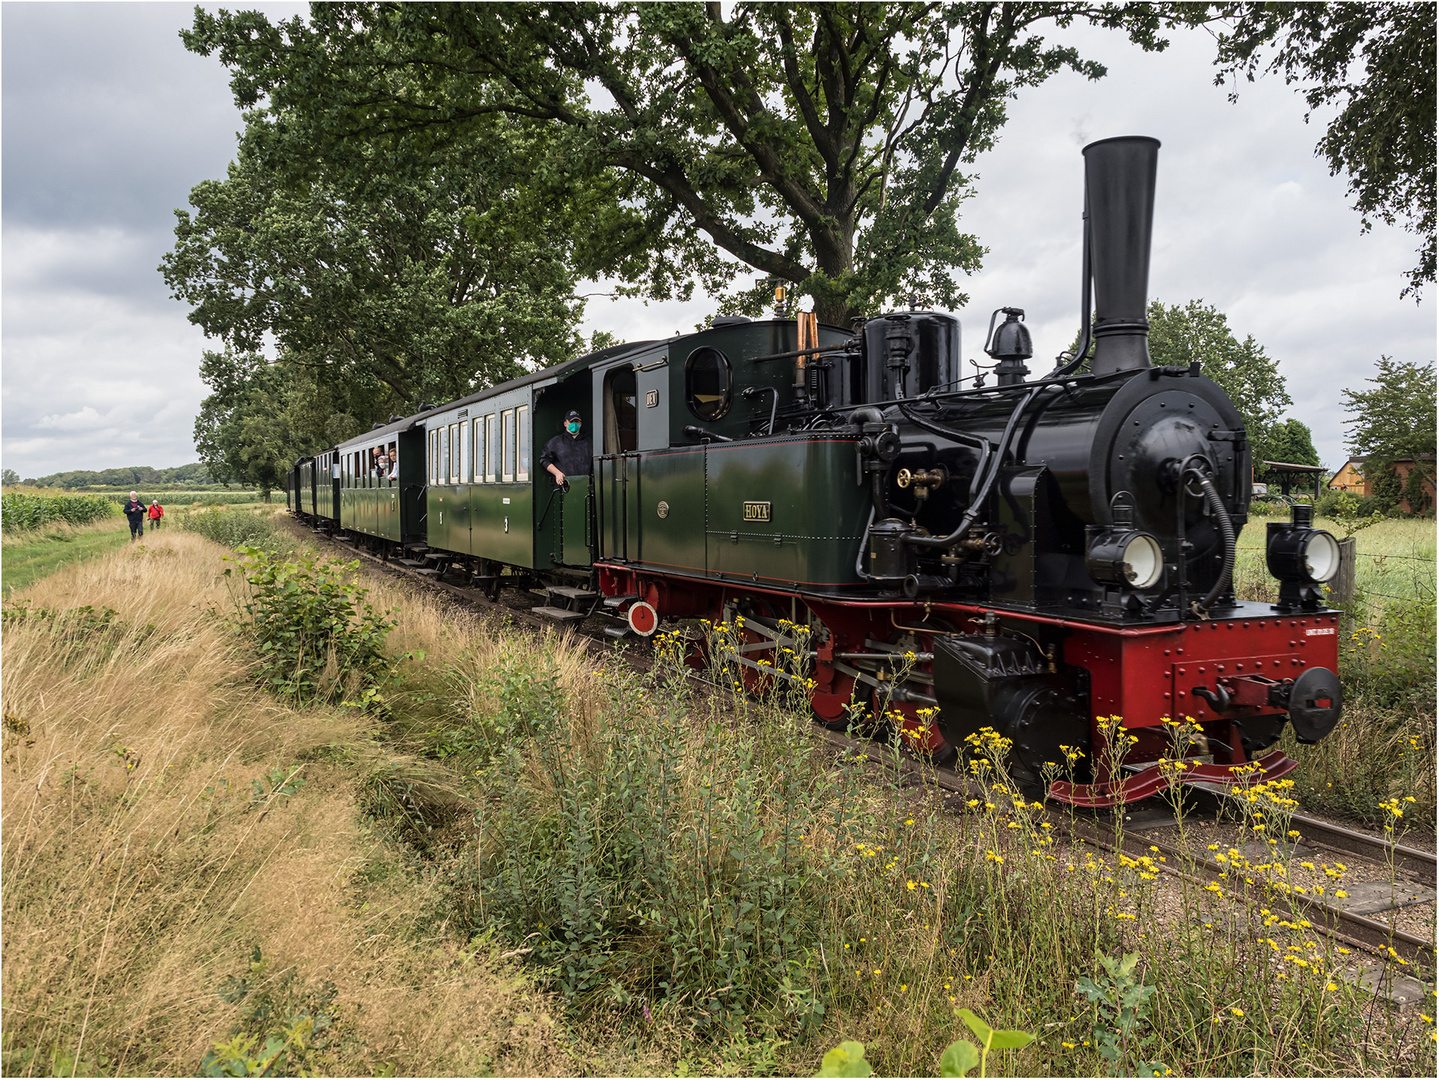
<point x="707" y="383"/>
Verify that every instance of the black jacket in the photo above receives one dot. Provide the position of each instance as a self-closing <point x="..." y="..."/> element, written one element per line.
<point x="570" y="452"/>
<point x="135" y="511"/>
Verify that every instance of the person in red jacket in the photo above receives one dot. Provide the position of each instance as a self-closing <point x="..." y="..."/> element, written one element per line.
<point x="155" y="513"/>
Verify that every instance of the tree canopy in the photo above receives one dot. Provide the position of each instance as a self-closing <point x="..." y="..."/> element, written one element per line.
<point x="1180" y="335"/>
<point x="826" y="145"/>
<point x="1393" y="421"/>
<point x="1374" y="62"/>
<point x="392" y="276"/>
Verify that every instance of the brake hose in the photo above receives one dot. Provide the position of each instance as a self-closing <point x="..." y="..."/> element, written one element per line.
<point x="1226" y="531"/>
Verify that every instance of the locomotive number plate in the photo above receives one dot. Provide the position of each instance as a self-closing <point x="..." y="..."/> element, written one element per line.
<point x="756" y="511"/>
<point x="652" y="398"/>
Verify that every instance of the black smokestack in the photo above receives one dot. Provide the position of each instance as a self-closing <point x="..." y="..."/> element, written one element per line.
<point x="1119" y="202"/>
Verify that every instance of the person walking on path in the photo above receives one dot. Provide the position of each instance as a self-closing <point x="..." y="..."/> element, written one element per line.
<point x="155" y="513"/>
<point x="135" y="511"/>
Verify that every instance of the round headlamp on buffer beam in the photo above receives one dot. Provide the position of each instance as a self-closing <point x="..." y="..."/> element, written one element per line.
<point x="1123" y="555"/>
<point x="1303" y="558"/>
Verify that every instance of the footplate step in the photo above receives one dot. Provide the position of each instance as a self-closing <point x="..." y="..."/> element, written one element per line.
<point x="1151" y="781"/>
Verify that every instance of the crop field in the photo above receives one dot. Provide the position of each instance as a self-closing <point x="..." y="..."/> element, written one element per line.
<point x="23" y="511"/>
<point x="425" y="843"/>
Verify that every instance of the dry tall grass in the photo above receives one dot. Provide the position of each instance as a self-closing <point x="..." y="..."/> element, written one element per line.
<point x="142" y="864"/>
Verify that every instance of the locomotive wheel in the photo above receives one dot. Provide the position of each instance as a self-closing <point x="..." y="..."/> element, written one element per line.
<point x="834" y="701"/>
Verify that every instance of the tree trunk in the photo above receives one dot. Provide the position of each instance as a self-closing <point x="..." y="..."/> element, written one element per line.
<point x="834" y="313"/>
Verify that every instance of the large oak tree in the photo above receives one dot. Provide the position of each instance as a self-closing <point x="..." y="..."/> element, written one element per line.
<point x="826" y="145"/>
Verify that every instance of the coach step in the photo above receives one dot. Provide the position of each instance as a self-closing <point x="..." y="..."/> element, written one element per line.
<point x="560" y="615"/>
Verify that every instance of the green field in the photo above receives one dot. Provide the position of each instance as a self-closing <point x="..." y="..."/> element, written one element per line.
<point x="29" y="556"/>
<point x="1395" y="562"/>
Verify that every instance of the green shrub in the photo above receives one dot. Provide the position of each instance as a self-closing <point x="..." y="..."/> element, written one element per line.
<point x="19" y="511"/>
<point x="319" y="639"/>
<point x="234" y="528"/>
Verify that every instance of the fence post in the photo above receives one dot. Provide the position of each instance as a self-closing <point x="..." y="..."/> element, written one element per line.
<point x="1342" y="587"/>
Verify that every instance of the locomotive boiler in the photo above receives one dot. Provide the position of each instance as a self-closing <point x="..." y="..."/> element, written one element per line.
<point x="1031" y="553"/>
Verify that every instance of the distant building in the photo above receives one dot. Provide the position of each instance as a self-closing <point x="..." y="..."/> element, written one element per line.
<point x="1350" y="477"/>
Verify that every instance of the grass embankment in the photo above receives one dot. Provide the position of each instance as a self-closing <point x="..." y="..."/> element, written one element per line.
<point x="692" y="883"/>
<point x="1385" y="744"/>
<point x="162" y="891"/>
<point x="29" y="555"/>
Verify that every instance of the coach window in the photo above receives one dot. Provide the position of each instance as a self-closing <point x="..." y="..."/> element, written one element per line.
<point x="444" y="455"/>
<point x="707" y="383"/>
<point x="492" y="449"/>
<point x="434" y="455"/>
<point x="466" y="476"/>
<point x="479" y="452"/>
<point x="454" y="453"/>
<point x="522" y="415"/>
<point x="507" y="446"/>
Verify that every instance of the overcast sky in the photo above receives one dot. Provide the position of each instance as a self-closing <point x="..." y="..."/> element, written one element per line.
<point x="108" y="122"/>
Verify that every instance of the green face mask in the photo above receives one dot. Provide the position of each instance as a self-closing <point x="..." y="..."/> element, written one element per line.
<point x="573" y="427"/>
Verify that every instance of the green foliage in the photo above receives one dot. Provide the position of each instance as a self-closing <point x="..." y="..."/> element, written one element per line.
<point x="245" y="430"/>
<point x="319" y="639"/>
<point x="19" y="512"/>
<point x="53" y="1060"/>
<point x="846" y="1059"/>
<point x="387" y="274"/>
<point x="1179" y="336"/>
<point x="233" y="528"/>
<point x="275" y="784"/>
<point x="134" y="476"/>
<point x="1120" y="1001"/>
<point x="1291" y="442"/>
<point x="283" y="1028"/>
<point x="1375" y="63"/>
<point x="828" y="145"/>
<point x="1394" y="421"/>
<point x="9" y="477"/>
<point x="623" y="894"/>
<point x="961" y="1055"/>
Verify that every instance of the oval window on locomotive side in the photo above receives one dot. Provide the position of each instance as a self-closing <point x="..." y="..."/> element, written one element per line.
<point x="707" y="383"/>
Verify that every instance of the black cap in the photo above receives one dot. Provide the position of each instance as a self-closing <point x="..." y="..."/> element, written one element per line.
<point x="572" y="415"/>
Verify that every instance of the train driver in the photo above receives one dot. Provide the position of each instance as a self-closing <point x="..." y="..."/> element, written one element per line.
<point x="568" y="453"/>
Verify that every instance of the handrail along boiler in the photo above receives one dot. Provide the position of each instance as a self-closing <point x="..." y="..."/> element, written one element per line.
<point x="1030" y="556"/>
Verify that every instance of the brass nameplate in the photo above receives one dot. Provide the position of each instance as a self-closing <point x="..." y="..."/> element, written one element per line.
<point x="756" y="511"/>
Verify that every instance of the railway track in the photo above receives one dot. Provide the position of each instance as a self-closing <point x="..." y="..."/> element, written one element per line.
<point x="1405" y="864"/>
<point x="1331" y="919"/>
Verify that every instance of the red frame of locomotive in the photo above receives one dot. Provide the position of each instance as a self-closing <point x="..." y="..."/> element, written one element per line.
<point x="1142" y="674"/>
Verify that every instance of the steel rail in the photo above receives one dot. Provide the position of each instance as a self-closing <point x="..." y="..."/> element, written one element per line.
<point x="1414" y="861"/>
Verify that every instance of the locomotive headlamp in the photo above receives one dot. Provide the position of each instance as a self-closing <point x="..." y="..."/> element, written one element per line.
<point x="1300" y="553"/>
<point x="1125" y="557"/>
<point x="1302" y="558"/>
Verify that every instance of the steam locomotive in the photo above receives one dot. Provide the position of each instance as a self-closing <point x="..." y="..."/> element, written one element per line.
<point x="1036" y="555"/>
